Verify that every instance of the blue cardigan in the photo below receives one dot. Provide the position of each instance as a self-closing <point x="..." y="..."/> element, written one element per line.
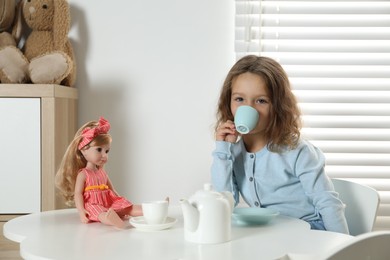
<point x="292" y="182"/>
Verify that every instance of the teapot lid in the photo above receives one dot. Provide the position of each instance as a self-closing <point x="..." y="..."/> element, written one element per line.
<point x="207" y="192"/>
<point x="207" y="186"/>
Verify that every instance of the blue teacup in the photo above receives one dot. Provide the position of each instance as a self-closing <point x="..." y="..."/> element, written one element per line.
<point x="246" y="119"/>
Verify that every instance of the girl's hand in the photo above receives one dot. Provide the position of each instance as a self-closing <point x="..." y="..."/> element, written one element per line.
<point x="83" y="216"/>
<point x="227" y="132"/>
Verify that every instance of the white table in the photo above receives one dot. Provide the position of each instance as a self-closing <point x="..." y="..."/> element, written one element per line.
<point x="59" y="234"/>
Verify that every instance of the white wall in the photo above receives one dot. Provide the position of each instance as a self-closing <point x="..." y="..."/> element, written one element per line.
<point x="154" y="69"/>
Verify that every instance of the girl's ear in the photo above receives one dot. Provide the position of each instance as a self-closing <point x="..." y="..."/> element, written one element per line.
<point x="17" y="27"/>
<point x="61" y="23"/>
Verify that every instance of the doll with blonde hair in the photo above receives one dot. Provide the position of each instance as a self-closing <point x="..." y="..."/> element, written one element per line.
<point x="82" y="179"/>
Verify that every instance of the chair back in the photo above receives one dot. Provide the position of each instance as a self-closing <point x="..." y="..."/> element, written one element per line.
<point x="361" y="205"/>
<point x="373" y="245"/>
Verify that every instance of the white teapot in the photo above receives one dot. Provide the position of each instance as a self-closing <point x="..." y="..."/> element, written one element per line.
<point x="207" y="216"/>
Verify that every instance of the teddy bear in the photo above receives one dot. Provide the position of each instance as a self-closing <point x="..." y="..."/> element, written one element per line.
<point x="7" y="17"/>
<point x="47" y="56"/>
<point x="10" y="28"/>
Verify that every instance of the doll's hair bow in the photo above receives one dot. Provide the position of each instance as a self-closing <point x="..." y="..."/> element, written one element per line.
<point x="89" y="134"/>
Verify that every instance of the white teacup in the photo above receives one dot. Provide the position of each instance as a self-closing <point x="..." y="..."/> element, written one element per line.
<point x="155" y="212"/>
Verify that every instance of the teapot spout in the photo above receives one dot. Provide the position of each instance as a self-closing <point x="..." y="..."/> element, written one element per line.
<point x="190" y="214"/>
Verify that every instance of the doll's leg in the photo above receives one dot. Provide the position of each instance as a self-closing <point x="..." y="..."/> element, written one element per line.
<point x="132" y="211"/>
<point x="136" y="210"/>
<point x="124" y="214"/>
<point x="111" y="218"/>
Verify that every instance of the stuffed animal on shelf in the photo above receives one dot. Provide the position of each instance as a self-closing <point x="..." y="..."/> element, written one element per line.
<point x="10" y="29"/>
<point x="7" y="17"/>
<point x="47" y="52"/>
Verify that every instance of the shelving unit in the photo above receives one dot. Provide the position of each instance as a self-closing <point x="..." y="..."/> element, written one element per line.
<point x="55" y="109"/>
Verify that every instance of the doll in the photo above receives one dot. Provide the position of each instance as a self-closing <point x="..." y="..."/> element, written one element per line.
<point x="82" y="179"/>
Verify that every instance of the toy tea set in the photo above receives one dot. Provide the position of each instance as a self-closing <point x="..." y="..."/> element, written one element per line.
<point x="207" y="216"/>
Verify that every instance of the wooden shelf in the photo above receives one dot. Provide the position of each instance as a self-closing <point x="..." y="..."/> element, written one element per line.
<point x="37" y="90"/>
<point x="58" y="126"/>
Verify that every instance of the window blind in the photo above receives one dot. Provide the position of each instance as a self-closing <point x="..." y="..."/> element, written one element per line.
<point x="337" y="55"/>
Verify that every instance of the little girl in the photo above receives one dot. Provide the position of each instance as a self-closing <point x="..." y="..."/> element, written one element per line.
<point x="271" y="166"/>
<point x="81" y="178"/>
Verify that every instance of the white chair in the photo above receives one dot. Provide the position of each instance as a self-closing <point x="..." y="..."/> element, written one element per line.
<point x="369" y="246"/>
<point x="373" y="245"/>
<point x="361" y="205"/>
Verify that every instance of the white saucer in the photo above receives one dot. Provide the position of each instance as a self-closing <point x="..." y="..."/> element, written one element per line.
<point x="140" y="223"/>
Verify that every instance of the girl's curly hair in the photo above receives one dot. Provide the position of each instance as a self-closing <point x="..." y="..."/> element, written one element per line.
<point x="285" y="123"/>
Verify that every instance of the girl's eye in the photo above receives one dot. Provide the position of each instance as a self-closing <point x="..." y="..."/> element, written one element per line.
<point x="238" y="99"/>
<point x="262" y="101"/>
<point x="99" y="149"/>
<point x="107" y="151"/>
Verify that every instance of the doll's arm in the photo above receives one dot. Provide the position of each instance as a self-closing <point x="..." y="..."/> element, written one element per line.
<point x="109" y="184"/>
<point x="79" y="198"/>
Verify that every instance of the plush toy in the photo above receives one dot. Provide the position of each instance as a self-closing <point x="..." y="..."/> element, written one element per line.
<point x="7" y="14"/>
<point x="10" y="28"/>
<point x="47" y="56"/>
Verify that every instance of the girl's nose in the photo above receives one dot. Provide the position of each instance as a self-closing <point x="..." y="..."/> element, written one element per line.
<point x="249" y="103"/>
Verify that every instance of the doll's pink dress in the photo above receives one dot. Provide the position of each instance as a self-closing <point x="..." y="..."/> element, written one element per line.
<point x="98" y="197"/>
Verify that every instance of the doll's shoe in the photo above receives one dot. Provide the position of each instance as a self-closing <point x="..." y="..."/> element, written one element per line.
<point x="13" y="65"/>
<point x="50" y="68"/>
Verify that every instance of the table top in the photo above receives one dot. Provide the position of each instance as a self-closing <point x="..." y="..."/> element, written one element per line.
<point x="59" y="234"/>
